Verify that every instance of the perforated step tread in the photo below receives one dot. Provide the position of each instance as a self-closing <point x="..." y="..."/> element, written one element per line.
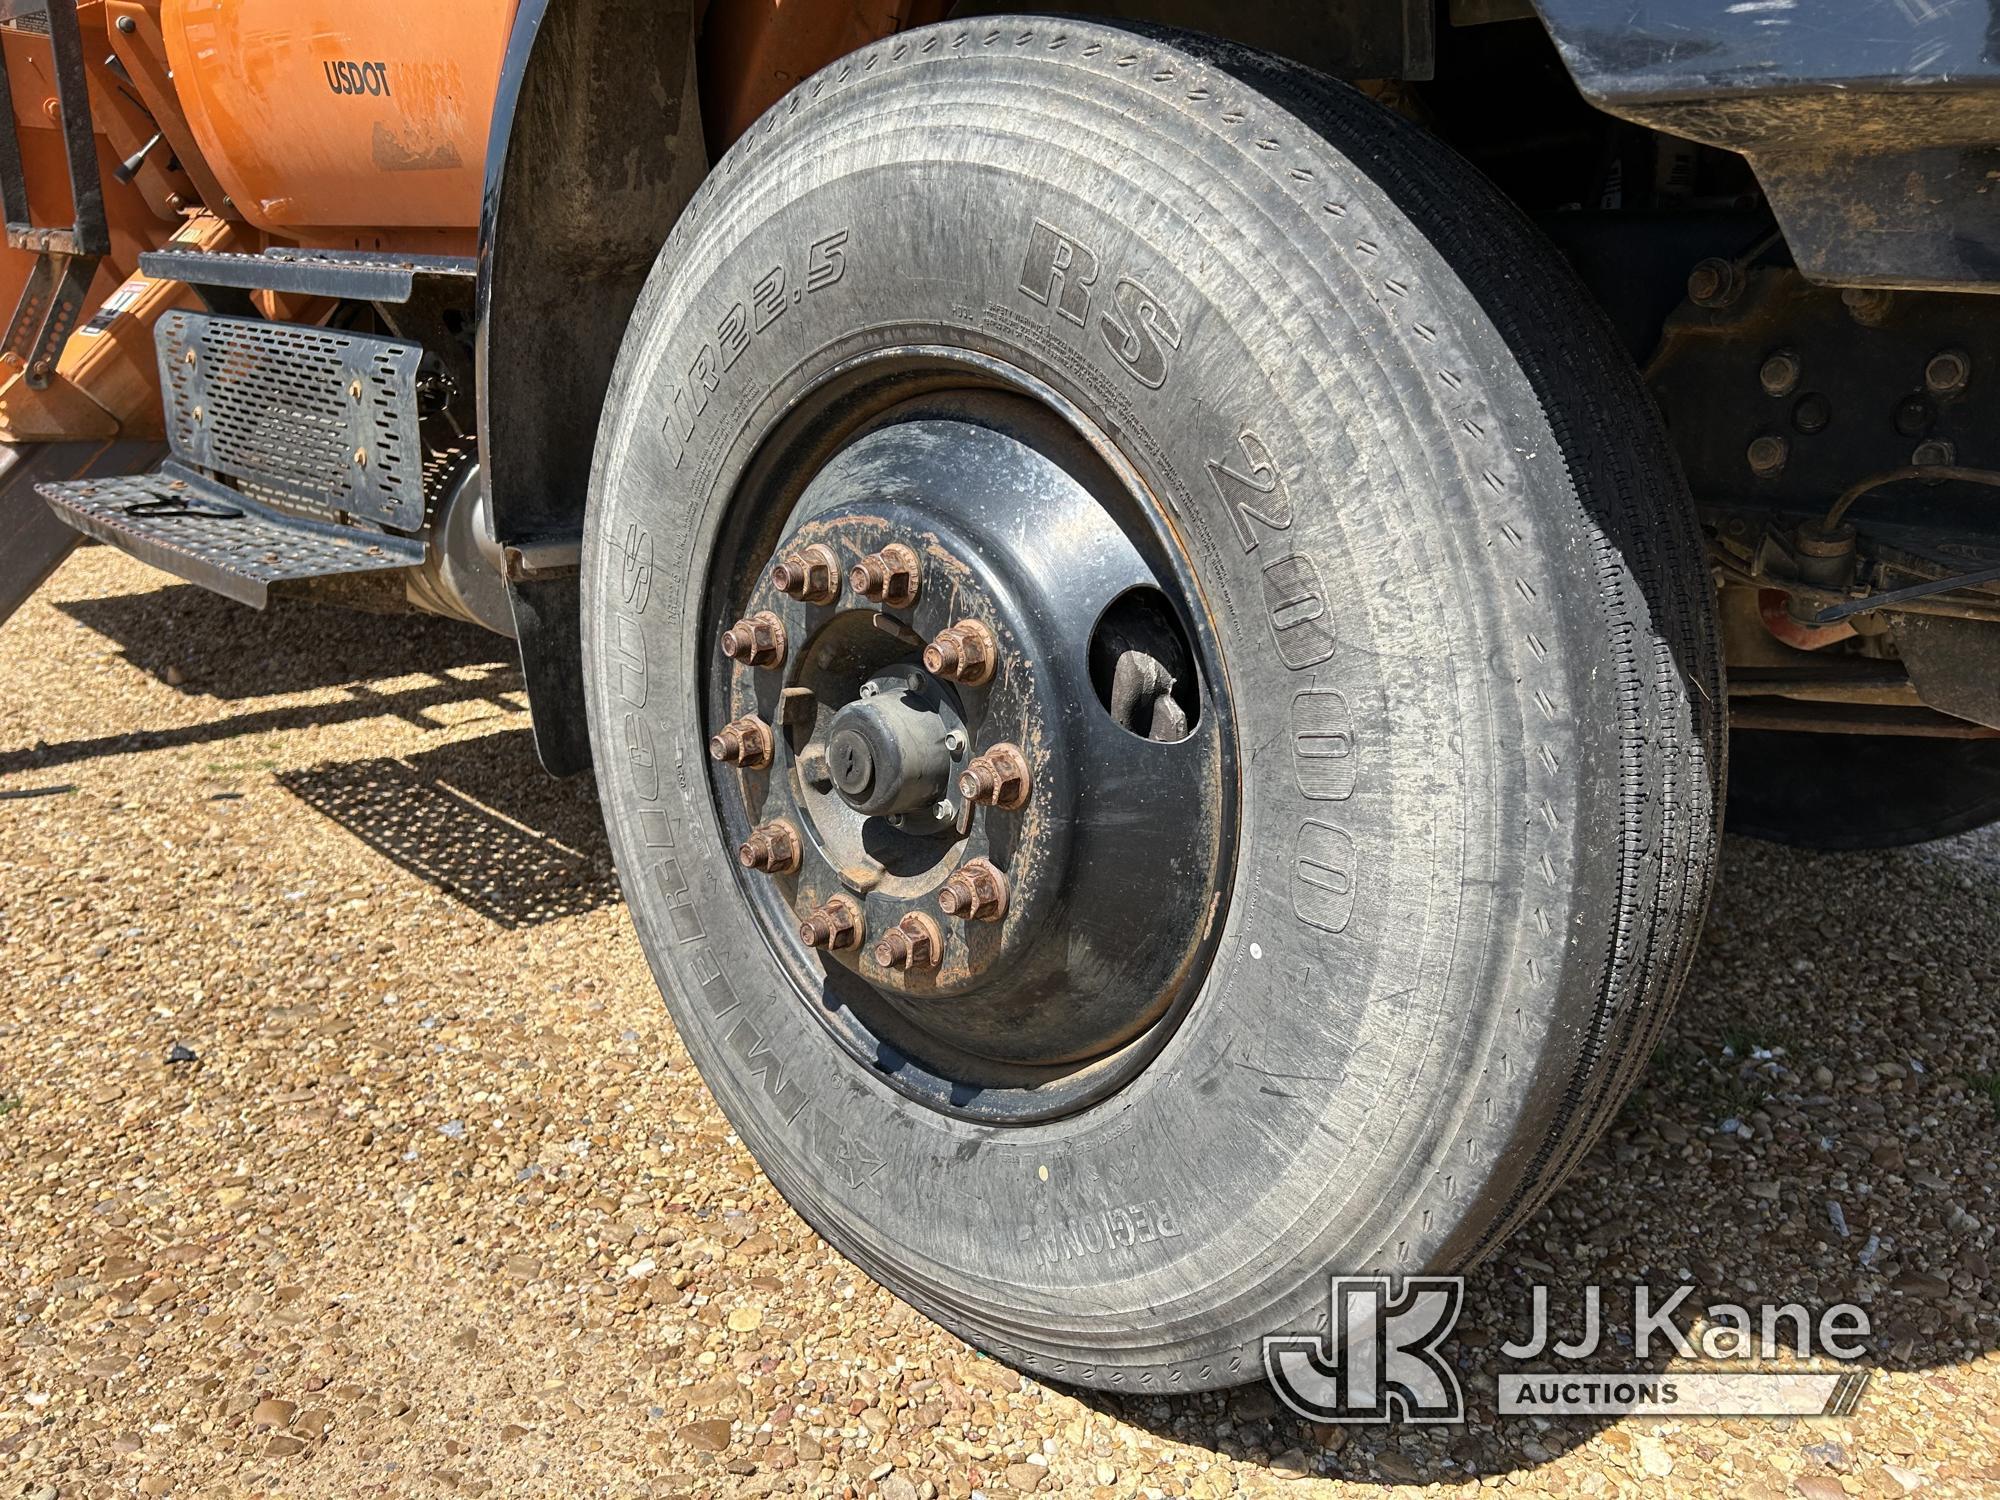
<point x="194" y="528"/>
<point x="317" y="273"/>
<point x="323" y="419"/>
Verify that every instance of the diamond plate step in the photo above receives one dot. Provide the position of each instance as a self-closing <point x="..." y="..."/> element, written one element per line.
<point x="197" y="529"/>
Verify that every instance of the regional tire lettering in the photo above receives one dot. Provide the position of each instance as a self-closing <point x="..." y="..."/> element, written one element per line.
<point x="1096" y="1232"/>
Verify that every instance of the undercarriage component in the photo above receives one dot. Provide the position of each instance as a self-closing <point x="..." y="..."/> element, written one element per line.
<point x="1871" y="131"/>
<point x="1855" y="400"/>
<point x="1954" y="665"/>
<point x="66" y="259"/>
<point x="462" y="576"/>
<point x="106" y="383"/>
<point x="1845" y="454"/>
<point x="1860" y="790"/>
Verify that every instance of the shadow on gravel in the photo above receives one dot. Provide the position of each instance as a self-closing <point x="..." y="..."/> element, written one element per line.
<point x="1817" y="1127"/>
<point x="203" y="643"/>
<point x="208" y="646"/>
<point x="480" y="820"/>
<point x="361" y="702"/>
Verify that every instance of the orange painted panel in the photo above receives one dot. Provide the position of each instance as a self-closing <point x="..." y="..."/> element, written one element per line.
<point x="330" y="115"/>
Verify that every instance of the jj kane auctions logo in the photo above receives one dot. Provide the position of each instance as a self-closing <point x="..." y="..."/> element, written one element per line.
<point x="1383" y="1357"/>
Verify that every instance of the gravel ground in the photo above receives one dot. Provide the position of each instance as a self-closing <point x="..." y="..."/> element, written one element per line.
<point x="345" y="1146"/>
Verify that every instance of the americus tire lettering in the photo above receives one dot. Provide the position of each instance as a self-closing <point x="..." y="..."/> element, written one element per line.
<point x="1295" y="604"/>
<point x="636" y="558"/>
<point x="1323" y="876"/>
<point x="1294" y="588"/>
<point x="1323" y="746"/>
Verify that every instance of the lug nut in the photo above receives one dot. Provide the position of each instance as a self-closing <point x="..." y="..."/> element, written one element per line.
<point x="999" y="778"/>
<point x="1714" y="283"/>
<point x="1948" y="371"/>
<point x="835" y="924"/>
<point x="1867" y="305"/>
<point x="1779" y="375"/>
<point x="913" y="943"/>
<point x="772" y="847"/>
<point x="1767" y="454"/>
<point x="811" y="574"/>
<point x="964" y="652"/>
<point x="744" y="742"/>
<point x="758" y="641"/>
<point x="976" y="892"/>
<point x="888" y="577"/>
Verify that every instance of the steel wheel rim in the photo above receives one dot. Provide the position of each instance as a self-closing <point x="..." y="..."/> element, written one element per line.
<point x="969" y="1037"/>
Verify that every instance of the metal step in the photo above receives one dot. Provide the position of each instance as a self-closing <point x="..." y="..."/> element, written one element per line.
<point x="198" y="529"/>
<point x="314" y="417"/>
<point x="291" y="447"/>
<point x="357" y="275"/>
<point x="37" y="540"/>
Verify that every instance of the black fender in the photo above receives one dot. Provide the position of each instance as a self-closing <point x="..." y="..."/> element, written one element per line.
<point x="596" y="147"/>
<point x="1873" y="129"/>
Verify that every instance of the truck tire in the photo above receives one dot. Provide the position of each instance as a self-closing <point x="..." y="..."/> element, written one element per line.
<point x="1344" y="611"/>
<point x="1859" y="791"/>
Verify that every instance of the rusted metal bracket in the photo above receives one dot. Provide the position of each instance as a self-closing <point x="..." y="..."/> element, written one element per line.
<point x="53" y="298"/>
<point x="1891" y="597"/>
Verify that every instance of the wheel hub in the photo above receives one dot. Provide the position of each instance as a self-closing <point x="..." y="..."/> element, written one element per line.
<point x="990" y="882"/>
<point x="888" y="751"/>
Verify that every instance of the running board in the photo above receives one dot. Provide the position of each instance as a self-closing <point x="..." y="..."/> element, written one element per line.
<point x="188" y="525"/>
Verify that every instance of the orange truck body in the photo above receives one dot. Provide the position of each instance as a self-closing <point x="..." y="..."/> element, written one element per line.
<point x="344" y="122"/>
<point x="335" y="124"/>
